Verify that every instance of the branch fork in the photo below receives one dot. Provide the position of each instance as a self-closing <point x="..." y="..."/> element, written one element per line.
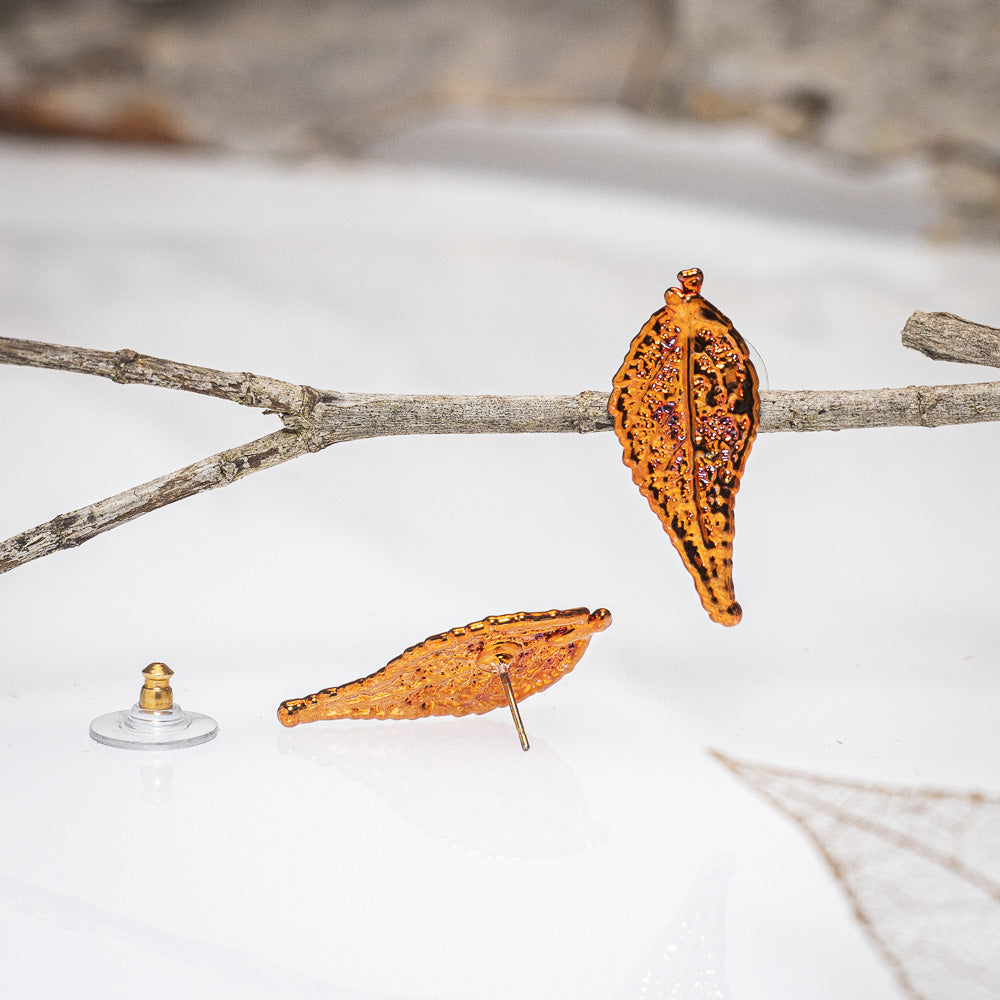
<point x="314" y="419"/>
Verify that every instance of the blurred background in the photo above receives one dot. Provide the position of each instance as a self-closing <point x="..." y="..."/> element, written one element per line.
<point x="428" y="197"/>
<point x="855" y="85"/>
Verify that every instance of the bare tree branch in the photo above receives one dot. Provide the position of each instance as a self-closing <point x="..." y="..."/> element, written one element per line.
<point x="946" y="337"/>
<point x="78" y="526"/>
<point x="129" y="366"/>
<point x="854" y="409"/>
<point x="315" y="419"/>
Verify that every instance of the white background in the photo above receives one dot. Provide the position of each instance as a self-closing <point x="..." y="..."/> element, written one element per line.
<point x="434" y="859"/>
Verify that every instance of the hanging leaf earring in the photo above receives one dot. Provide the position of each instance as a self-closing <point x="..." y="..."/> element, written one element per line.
<point x="685" y="407"/>
<point x="467" y="671"/>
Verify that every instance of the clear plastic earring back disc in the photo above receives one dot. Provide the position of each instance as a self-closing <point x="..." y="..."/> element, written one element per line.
<point x="139" y="729"/>
<point x="154" y="722"/>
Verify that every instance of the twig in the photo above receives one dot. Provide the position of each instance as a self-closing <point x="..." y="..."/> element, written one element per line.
<point x="946" y="337"/>
<point x="315" y="419"/>
<point x="78" y="526"/>
<point x="128" y="366"/>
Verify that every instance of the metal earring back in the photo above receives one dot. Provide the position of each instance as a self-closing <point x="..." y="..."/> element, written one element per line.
<point x="154" y="722"/>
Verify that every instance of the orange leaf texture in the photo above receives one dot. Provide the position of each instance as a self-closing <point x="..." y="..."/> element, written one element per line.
<point x="686" y="408"/>
<point x="456" y="673"/>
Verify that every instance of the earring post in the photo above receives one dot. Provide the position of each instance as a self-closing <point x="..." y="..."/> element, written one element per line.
<point x="514" y="710"/>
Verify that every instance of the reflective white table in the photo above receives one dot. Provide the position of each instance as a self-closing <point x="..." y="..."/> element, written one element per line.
<point x="855" y="704"/>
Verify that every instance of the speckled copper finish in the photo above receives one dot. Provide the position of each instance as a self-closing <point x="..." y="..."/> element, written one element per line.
<point x="686" y="409"/>
<point x="458" y="672"/>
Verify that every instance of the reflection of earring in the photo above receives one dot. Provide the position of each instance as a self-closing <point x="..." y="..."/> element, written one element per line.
<point x="467" y="671"/>
<point x="686" y="408"/>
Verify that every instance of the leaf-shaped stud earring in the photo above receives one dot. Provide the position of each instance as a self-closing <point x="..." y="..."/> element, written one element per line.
<point x="686" y="408"/>
<point x="466" y="671"/>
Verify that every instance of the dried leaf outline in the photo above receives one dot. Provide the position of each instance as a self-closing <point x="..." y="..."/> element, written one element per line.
<point x="686" y="409"/>
<point x="453" y="673"/>
<point x="919" y="866"/>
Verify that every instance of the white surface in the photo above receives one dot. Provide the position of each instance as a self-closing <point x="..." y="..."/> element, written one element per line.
<point x="435" y="859"/>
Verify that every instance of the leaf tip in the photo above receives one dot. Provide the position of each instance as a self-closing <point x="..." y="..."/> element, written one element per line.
<point x="728" y="616"/>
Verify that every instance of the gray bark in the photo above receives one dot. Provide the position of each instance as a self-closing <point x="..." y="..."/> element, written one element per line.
<point x="314" y="419"/>
<point x="946" y="337"/>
